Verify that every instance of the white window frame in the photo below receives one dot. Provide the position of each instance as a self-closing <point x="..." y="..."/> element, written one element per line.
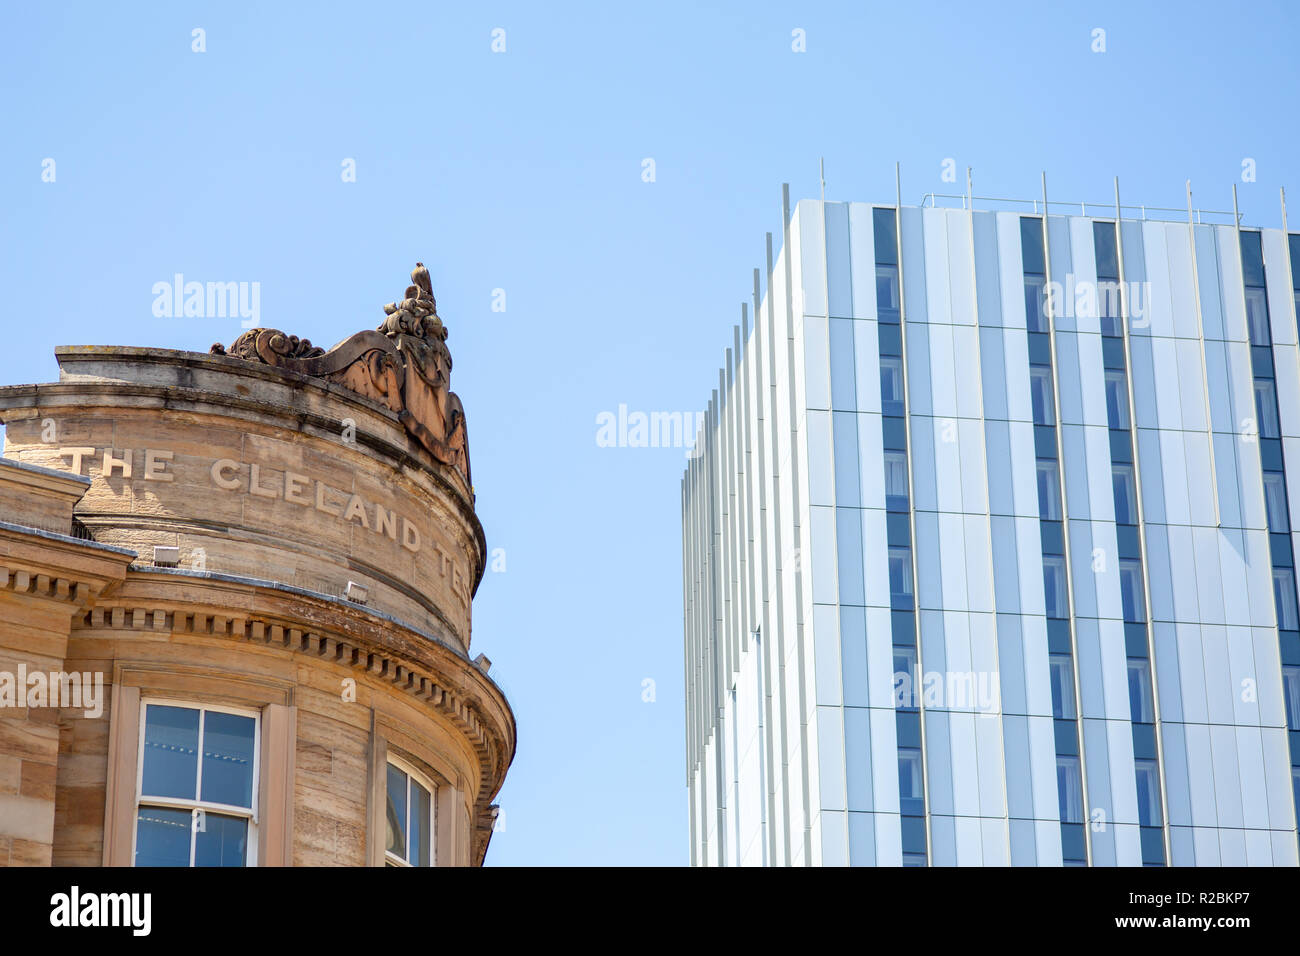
<point x="903" y="557"/>
<point x="1284" y="578"/>
<point x="1061" y="595"/>
<point x="889" y="273"/>
<point x="1048" y="475"/>
<point x="1061" y="670"/>
<point x="915" y="772"/>
<point x="1266" y="411"/>
<point x="1291" y="696"/>
<point x="391" y="858"/>
<point x="1118" y="414"/>
<point x="1073" y="800"/>
<point x="1142" y="666"/>
<point x="1040" y="393"/>
<point x="1275" y="506"/>
<point x="1123" y="473"/>
<point x="1130" y="570"/>
<point x="198" y="805"/>
<point x="894" y="363"/>
<point x="1150" y="769"/>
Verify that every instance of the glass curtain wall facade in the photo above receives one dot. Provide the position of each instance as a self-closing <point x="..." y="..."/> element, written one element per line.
<point x="987" y="547"/>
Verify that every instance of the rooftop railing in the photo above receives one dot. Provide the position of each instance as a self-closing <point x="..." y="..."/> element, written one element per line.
<point x="1100" y="210"/>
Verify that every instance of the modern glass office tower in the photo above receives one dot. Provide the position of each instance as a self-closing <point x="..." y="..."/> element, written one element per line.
<point x="988" y="549"/>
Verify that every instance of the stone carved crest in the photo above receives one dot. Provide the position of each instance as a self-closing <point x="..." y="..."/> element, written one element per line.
<point x="404" y="365"/>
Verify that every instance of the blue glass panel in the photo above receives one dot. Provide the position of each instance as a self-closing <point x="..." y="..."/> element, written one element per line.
<point x="1153" y="846"/>
<point x="228" y="742"/>
<point x="420" y="825"/>
<point x="222" y="841"/>
<point x="162" y="837"/>
<point x="1067" y="736"/>
<point x="171" y="752"/>
<point x="396" y="812"/>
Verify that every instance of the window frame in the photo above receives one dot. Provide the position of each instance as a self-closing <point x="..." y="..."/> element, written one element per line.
<point x="1074" y="801"/>
<point x="913" y="690"/>
<point x="1291" y="696"/>
<point x="1055" y="664"/>
<point x="1277" y="480"/>
<point x="1259" y="295"/>
<point x="1119" y="417"/>
<point x="1266" y="408"/>
<point x="413" y="775"/>
<point x="198" y="805"/>
<point x="1040" y="379"/>
<point x="1147" y="700"/>
<point x="1153" y="815"/>
<point x="903" y="555"/>
<point x="1041" y="466"/>
<point x="898" y="461"/>
<point x="892" y="407"/>
<point x="1038" y="283"/>
<point x="916" y="773"/>
<point x="888" y="272"/>
<point x="1130" y="569"/>
<point x="1290" y="595"/>
<point x="1124" y="472"/>
<point x="1056" y="561"/>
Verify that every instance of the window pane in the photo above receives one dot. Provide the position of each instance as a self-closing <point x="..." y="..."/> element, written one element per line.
<point x="222" y="841"/>
<point x="1035" y="303"/>
<point x="228" y="742"/>
<point x="171" y="753"/>
<point x="1062" y="676"/>
<point x="896" y="480"/>
<point x="1130" y="591"/>
<point x="1116" y="399"/>
<point x="905" y="689"/>
<point x="1148" y="793"/>
<point x="1125" y="491"/>
<point x="396" y="812"/>
<point x="1069" y="789"/>
<point x="910" y="795"/>
<point x="1266" y="408"/>
<point x="1139" y="692"/>
<point x="1108" y="307"/>
<point x="421" y="804"/>
<point x="887" y="293"/>
<point x="913" y="859"/>
<point x="1275" y="501"/>
<point x="891" y="385"/>
<point x="1040" y="394"/>
<point x="1257" y="316"/>
<point x="1049" y="490"/>
<point x="1291" y="693"/>
<point x="162" y="836"/>
<point x="1284" y="598"/>
<point x="1054" y="596"/>
<point x="900" y="572"/>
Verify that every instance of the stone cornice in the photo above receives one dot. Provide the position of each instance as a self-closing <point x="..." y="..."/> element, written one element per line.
<point x="58" y="567"/>
<point x="77" y="386"/>
<point x="431" y="671"/>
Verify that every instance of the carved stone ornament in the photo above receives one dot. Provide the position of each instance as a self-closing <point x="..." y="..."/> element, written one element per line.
<point x="404" y="365"/>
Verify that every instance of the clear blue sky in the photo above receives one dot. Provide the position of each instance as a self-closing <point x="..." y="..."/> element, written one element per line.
<point x="522" y="171"/>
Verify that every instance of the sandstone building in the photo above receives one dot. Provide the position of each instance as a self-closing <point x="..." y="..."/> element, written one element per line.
<point x="235" y="599"/>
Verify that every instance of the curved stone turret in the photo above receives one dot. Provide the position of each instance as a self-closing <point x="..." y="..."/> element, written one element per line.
<point x="302" y="543"/>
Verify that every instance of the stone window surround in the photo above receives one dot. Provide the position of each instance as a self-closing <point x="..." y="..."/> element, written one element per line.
<point x="276" y="748"/>
<point x="390" y="739"/>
